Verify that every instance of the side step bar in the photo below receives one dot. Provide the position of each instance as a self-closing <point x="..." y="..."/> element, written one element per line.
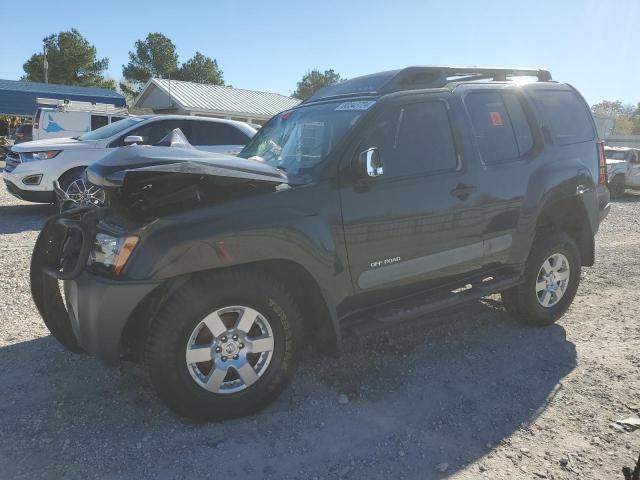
<point x="418" y="306"/>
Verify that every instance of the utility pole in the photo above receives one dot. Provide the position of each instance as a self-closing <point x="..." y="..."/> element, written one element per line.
<point x="46" y="64"/>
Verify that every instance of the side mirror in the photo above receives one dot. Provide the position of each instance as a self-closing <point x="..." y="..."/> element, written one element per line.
<point x="369" y="164"/>
<point x="131" y="139"/>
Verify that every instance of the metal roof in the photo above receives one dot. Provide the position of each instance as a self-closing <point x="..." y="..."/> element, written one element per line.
<point x="19" y="98"/>
<point x="214" y="98"/>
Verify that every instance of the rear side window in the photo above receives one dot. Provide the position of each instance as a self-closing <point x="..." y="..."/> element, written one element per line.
<point x="500" y="126"/>
<point x="98" y="121"/>
<point x="568" y="116"/>
<point x="216" y="133"/>
<point x="519" y="122"/>
<point x="423" y="142"/>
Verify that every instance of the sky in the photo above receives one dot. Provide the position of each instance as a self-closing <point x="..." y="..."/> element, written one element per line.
<point x="269" y="45"/>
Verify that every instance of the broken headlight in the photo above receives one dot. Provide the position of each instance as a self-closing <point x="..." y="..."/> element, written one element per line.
<point x="110" y="253"/>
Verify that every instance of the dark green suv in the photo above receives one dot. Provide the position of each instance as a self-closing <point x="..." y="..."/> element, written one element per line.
<point x="376" y="201"/>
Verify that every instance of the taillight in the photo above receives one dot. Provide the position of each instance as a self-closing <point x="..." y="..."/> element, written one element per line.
<point x="36" y="121"/>
<point x="602" y="165"/>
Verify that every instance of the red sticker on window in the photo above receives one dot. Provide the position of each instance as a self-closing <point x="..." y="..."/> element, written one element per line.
<point x="496" y="119"/>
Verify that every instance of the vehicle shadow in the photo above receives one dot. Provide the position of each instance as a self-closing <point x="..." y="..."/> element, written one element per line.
<point x="24" y="217"/>
<point x="418" y="396"/>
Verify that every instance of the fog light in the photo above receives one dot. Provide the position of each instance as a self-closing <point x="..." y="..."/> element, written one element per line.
<point x="32" y="180"/>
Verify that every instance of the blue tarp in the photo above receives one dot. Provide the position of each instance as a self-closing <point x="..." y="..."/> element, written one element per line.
<point x="19" y="98"/>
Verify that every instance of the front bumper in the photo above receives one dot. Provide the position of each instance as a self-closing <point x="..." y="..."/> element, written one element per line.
<point x="36" y="196"/>
<point x="99" y="309"/>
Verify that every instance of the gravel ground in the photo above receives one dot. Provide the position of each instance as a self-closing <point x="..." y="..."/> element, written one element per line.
<point x="474" y="395"/>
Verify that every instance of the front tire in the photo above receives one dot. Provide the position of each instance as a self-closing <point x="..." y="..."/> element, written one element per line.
<point x="551" y="278"/>
<point x="224" y="345"/>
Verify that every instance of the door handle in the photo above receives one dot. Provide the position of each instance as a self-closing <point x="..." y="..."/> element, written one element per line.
<point x="462" y="191"/>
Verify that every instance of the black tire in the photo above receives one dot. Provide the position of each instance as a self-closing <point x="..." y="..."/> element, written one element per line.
<point x="169" y="334"/>
<point x="522" y="301"/>
<point x="69" y="177"/>
<point x="616" y="186"/>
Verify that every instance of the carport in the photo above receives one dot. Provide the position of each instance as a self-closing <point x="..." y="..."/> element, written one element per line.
<point x="18" y="98"/>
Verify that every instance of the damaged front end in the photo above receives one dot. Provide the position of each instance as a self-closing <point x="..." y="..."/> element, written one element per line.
<point x="143" y="181"/>
<point x="82" y="253"/>
<point x="60" y="253"/>
<point x="88" y="247"/>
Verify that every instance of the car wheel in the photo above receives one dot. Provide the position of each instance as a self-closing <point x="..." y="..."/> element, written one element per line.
<point x="616" y="187"/>
<point x="551" y="278"/>
<point x="78" y="192"/>
<point x="224" y="345"/>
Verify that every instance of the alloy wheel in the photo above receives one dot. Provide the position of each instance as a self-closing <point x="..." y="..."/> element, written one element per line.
<point x="553" y="280"/>
<point x="81" y="193"/>
<point x="229" y="349"/>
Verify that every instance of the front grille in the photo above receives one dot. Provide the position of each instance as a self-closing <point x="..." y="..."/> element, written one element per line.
<point x="11" y="161"/>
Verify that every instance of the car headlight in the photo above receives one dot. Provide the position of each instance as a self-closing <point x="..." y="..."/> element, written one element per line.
<point x="45" y="155"/>
<point x="110" y="253"/>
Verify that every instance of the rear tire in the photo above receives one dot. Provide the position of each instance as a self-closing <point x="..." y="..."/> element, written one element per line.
<point x="196" y="320"/>
<point x="544" y="297"/>
<point x="616" y="187"/>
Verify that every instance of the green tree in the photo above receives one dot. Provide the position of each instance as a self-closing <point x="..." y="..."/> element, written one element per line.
<point x="626" y="117"/>
<point x="71" y="59"/>
<point x="201" y="69"/>
<point x="314" y="80"/>
<point x="623" y="125"/>
<point x="155" y="56"/>
<point x="635" y="117"/>
<point x="608" y="108"/>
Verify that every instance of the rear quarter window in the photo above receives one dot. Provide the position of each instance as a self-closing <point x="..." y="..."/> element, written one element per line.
<point x="569" y="119"/>
<point x="500" y="126"/>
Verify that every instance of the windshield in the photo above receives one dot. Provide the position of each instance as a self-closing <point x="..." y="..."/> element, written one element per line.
<point x="112" y="129"/>
<point x="298" y="141"/>
<point x="615" y="154"/>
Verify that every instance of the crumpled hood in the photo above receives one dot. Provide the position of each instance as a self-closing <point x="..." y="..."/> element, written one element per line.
<point x="53" y="144"/>
<point x="136" y="161"/>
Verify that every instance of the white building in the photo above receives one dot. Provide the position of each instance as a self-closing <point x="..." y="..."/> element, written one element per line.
<point x="188" y="98"/>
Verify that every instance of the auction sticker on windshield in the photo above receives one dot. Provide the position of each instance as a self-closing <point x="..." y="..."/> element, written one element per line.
<point x="354" y="105"/>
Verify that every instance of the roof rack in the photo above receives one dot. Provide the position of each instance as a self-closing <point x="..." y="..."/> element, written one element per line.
<point x="413" y="78"/>
<point x="434" y="77"/>
<point x="67" y="105"/>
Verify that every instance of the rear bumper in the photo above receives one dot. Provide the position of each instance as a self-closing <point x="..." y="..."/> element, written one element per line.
<point x="36" y="196"/>
<point x="99" y="309"/>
